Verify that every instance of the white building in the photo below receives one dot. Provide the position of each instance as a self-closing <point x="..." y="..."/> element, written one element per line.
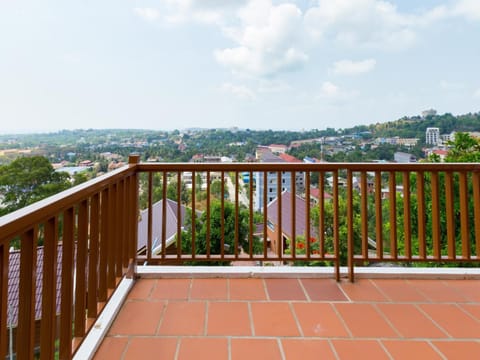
<point x="272" y="181"/>
<point x="432" y="136"/>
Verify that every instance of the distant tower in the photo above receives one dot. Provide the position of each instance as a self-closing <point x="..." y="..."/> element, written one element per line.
<point x="432" y="136"/>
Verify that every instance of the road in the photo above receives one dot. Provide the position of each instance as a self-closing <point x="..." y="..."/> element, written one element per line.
<point x="242" y="197"/>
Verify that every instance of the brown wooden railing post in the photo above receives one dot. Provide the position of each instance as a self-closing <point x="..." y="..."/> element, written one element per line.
<point x="26" y="306"/>
<point x="4" y="257"/>
<point x="49" y="290"/>
<point x="350" y="244"/>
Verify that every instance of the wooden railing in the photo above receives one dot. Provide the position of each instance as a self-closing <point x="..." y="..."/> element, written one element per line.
<point x="327" y="214"/>
<point x="86" y="236"/>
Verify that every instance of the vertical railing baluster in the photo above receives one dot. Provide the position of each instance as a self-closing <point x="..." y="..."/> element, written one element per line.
<point x="407" y="225"/>
<point x="164" y="214"/>
<point x="393" y="214"/>
<point x="476" y="210"/>
<point x="307" y="214"/>
<point x="265" y="214"/>
<point x="293" y="213"/>
<point x="250" y="219"/>
<point x="222" y="217"/>
<point x="102" y="270"/>
<point x="280" y="247"/>
<point x="321" y="213"/>
<point x="194" y="225"/>
<point x="179" y="214"/>
<point x="49" y="290"/>
<point x="464" y="213"/>
<point x="81" y="265"/>
<point x="350" y="244"/>
<point x="364" y="213"/>
<point x="4" y="264"/>
<point x="118" y="240"/>
<point x="378" y="214"/>
<point x="93" y="257"/>
<point x="68" y="248"/>
<point x="336" y="233"/>
<point x="207" y="235"/>
<point x="237" y="228"/>
<point x="112" y="199"/>
<point x="435" y="217"/>
<point x="150" y="218"/>
<point x="421" y="215"/>
<point x="26" y="297"/>
<point x="450" y="216"/>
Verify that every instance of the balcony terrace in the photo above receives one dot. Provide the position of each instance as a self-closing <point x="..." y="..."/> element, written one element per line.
<point x="98" y="283"/>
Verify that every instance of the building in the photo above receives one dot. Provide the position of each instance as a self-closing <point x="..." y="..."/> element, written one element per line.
<point x="278" y="148"/>
<point x="401" y="157"/>
<point x="432" y="136"/>
<point x="299" y="175"/>
<point x="286" y="231"/>
<point x="272" y="180"/>
<point x="171" y="226"/>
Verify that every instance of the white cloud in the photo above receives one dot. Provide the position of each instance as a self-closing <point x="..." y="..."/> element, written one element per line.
<point x="268" y="39"/>
<point x="476" y="94"/>
<point x="240" y="91"/>
<point x="149" y="14"/>
<point x="361" y="22"/>
<point x="451" y="86"/>
<point x="467" y="8"/>
<point x="334" y="94"/>
<point x="349" y="67"/>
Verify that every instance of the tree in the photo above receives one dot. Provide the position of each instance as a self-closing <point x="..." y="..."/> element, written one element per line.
<point x="27" y="180"/>
<point x="464" y="148"/>
<point x="229" y="234"/>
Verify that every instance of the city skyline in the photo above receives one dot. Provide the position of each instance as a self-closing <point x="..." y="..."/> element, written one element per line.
<point x="253" y="64"/>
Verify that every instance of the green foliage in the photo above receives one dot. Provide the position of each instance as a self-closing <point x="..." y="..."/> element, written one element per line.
<point x="464" y="148"/>
<point x="27" y="180"/>
<point x="230" y="231"/>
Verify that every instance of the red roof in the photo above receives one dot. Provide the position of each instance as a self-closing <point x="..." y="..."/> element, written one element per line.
<point x="289" y="158"/>
<point x="315" y="192"/>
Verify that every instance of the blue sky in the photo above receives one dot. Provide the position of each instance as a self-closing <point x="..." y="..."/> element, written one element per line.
<point x="261" y="64"/>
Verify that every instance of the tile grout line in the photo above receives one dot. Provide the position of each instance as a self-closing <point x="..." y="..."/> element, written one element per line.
<point x="342" y="320"/>
<point x="385" y="350"/>
<point x="125" y="349"/>
<point x="205" y="325"/>
<point x="229" y="347"/>
<point x="265" y="288"/>
<point x="437" y="325"/>
<point x="307" y="296"/>
<point x="332" y="347"/>
<point x="380" y="290"/>
<point x="228" y="290"/>
<point x="250" y="316"/>
<point x="189" y="293"/>
<point x="437" y="350"/>
<point x="343" y="291"/>
<point x="162" y="316"/>
<point x="177" y="348"/>
<point x="297" y="322"/>
<point x="386" y="319"/>
<point x="280" y="348"/>
<point x="466" y="312"/>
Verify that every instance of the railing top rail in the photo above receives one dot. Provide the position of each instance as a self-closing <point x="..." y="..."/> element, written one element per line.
<point x="147" y="167"/>
<point x="13" y="223"/>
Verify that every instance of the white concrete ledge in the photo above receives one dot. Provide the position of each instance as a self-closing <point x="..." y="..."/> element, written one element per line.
<point x="95" y="337"/>
<point x="304" y="272"/>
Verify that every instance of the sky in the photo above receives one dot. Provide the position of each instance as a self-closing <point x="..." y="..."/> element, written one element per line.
<point x="258" y="64"/>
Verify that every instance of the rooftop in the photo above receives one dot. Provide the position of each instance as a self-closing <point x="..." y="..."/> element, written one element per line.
<point x="281" y="318"/>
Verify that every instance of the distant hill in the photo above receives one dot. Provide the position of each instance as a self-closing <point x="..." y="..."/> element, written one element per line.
<point x="414" y="127"/>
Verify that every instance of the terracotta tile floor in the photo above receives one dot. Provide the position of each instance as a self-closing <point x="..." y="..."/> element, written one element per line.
<point x="296" y="319"/>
